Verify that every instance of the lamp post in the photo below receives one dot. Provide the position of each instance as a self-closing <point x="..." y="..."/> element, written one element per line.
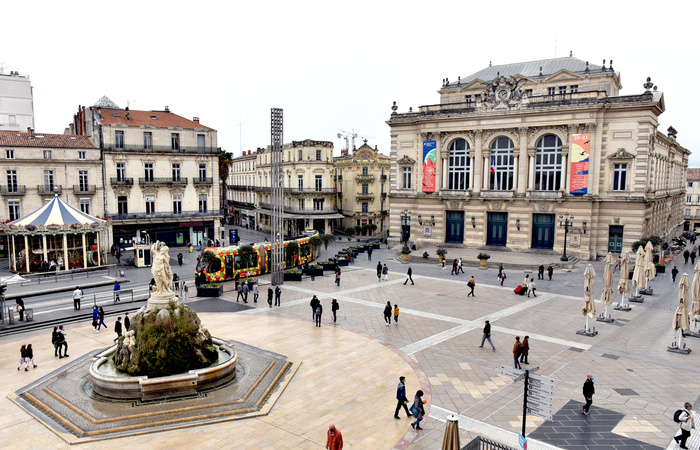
<point x="567" y="222"/>
<point x="405" y="226"/>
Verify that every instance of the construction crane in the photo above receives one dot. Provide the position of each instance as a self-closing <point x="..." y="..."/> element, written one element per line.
<point x="347" y="136"/>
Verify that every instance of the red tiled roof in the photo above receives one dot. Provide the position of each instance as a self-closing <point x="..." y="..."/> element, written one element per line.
<point x="139" y="118"/>
<point x="18" y="139"/>
<point x="693" y="174"/>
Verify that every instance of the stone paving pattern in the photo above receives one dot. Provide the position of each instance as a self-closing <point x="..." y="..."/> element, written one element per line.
<point x="349" y="372"/>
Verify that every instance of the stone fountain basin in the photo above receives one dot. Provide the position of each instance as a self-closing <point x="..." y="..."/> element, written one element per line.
<point x="127" y="387"/>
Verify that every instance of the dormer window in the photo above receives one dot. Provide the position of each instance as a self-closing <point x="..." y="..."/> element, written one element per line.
<point x="154" y="117"/>
<point x="116" y="114"/>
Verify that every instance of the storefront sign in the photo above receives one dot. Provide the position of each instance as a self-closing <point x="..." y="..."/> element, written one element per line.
<point x="580" y="152"/>
<point x="191" y="224"/>
<point x="429" y="157"/>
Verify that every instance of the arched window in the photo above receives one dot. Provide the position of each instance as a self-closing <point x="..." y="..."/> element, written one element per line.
<point x="548" y="163"/>
<point x="459" y="166"/>
<point x="502" y="164"/>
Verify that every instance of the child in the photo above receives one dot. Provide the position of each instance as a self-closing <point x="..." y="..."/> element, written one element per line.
<point x="396" y="314"/>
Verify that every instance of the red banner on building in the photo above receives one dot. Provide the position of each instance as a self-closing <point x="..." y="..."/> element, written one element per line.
<point x="580" y="153"/>
<point x="429" y="157"/>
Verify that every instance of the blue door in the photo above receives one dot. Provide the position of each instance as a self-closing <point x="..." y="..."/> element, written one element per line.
<point x="543" y="231"/>
<point x="615" y="239"/>
<point x="455" y="227"/>
<point x="497" y="229"/>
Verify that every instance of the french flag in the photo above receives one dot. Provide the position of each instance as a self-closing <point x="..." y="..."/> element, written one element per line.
<point x="493" y="165"/>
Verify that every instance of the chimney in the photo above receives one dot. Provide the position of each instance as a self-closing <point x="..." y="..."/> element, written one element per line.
<point x="344" y="152"/>
<point x="195" y="119"/>
<point x="126" y="113"/>
<point x="167" y="109"/>
<point x="30" y="130"/>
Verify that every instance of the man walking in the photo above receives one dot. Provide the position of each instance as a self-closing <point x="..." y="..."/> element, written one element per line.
<point x="517" y="351"/>
<point x="319" y="312"/>
<point x="256" y="292"/>
<point x="117" y="288"/>
<point x="454" y="268"/>
<point x="77" y="295"/>
<point x="335" y="438"/>
<point x="459" y="266"/>
<point x="314" y="303"/>
<point x="687" y="423"/>
<point x="278" y="294"/>
<point x="385" y="273"/>
<point x="179" y="259"/>
<point x="246" y="289"/>
<point x="472" y="284"/>
<point x="409" y="274"/>
<point x="369" y="254"/>
<point x="686" y="255"/>
<point x="387" y="313"/>
<point x="239" y="291"/>
<point x="379" y="271"/>
<point x="674" y="273"/>
<point x="334" y="309"/>
<point x="127" y="322"/>
<point x="540" y="272"/>
<point x="487" y="335"/>
<point x="118" y="328"/>
<point x="588" y="391"/>
<point x="401" y="399"/>
<point x="550" y="271"/>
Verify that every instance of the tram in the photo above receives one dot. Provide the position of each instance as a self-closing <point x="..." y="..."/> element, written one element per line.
<point x="223" y="263"/>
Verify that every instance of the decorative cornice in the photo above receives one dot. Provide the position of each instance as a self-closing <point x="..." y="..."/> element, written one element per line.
<point x="406" y="160"/>
<point x="621" y="153"/>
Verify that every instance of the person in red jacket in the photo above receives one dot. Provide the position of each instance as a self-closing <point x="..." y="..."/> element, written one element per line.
<point x="335" y="438"/>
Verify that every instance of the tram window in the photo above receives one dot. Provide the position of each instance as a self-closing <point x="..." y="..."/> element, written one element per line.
<point x="305" y="250"/>
<point x="237" y="262"/>
<point x="215" y="266"/>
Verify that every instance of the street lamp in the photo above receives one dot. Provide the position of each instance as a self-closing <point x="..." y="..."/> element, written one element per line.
<point x="405" y="226"/>
<point x="567" y="222"/>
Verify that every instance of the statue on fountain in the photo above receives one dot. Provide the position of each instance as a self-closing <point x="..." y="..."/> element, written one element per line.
<point x="161" y="294"/>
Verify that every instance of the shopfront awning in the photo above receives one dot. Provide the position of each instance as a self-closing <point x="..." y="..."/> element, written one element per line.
<point x="288" y="216"/>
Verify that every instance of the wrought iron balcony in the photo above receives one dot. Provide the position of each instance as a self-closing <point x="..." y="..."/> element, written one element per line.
<point x="384" y="212"/>
<point x="240" y="187"/>
<point x="121" y="181"/>
<point x="384" y="195"/>
<point x="162" y="182"/>
<point x="13" y="189"/>
<point x="364" y="178"/>
<point x="318" y="191"/>
<point x="340" y="195"/>
<point x="310" y="210"/>
<point x="182" y="215"/>
<point x="383" y="177"/>
<point x="48" y="189"/>
<point x="160" y="149"/>
<point x="365" y="197"/>
<point x="202" y="181"/>
<point x="84" y="189"/>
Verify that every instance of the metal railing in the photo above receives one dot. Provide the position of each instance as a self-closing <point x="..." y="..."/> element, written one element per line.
<point x="84" y="189"/>
<point x="383" y="177"/>
<point x="364" y="178"/>
<point x="310" y="211"/>
<point x="368" y="196"/>
<point x="167" y="215"/>
<point x="161" y="149"/>
<point x="162" y="182"/>
<point x="200" y="181"/>
<point x="13" y="189"/>
<point x="121" y="181"/>
<point x="63" y="275"/>
<point x="481" y="443"/>
<point x="310" y="191"/>
<point x="46" y="189"/>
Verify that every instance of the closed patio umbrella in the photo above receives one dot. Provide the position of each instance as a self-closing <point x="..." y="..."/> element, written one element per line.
<point x="695" y="306"/>
<point x="606" y="297"/>
<point x="451" y="439"/>
<point x="649" y="268"/>
<point x="638" y="277"/>
<point x="681" y="321"/>
<point x="623" y="286"/>
<point x="588" y="308"/>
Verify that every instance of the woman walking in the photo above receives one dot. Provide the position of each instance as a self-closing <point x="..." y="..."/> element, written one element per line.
<point x="334" y="309"/>
<point x="385" y="272"/>
<point x="29" y="357"/>
<point x="101" y="318"/>
<point x="396" y="314"/>
<point x="418" y="410"/>
<point x="95" y="312"/>
<point x="526" y="350"/>
<point x="387" y="313"/>
<point x="22" y="357"/>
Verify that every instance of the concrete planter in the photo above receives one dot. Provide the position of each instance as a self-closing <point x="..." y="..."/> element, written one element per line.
<point x="210" y="291"/>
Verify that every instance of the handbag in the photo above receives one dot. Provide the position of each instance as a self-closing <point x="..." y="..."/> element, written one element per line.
<point x="414" y="410"/>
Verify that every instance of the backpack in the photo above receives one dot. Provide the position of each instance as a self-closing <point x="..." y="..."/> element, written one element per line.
<point x="318" y="310"/>
<point x="186" y="289"/>
<point x="519" y="349"/>
<point x="677" y="415"/>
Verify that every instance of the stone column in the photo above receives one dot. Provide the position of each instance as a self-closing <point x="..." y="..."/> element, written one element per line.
<point x="531" y="173"/>
<point x="46" y="255"/>
<point x="472" y="169"/>
<point x="477" y="168"/>
<point x="595" y="155"/>
<point x="521" y="162"/>
<point x="99" y="253"/>
<point x="443" y="161"/>
<point x="487" y="169"/>
<point x="515" y="173"/>
<point x="564" y="174"/>
<point x="65" y="251"/>
<point x="26" y="252"/>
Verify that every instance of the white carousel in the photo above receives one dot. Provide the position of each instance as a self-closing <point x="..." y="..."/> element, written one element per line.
<point x="55" y="237"/>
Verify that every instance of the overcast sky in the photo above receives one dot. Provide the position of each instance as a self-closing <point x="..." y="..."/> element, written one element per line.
<point x="330" y="65"/>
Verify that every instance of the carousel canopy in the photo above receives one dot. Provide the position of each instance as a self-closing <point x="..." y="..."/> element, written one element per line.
<point x="56" y="215"/>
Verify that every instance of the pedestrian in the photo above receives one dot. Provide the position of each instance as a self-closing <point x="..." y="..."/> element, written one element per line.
<point x="95" y="312"/>
<point x="127" y="322"/>
<point x="179" y="259"/>
<point x="246" y="289"/>
<point x="472" y="284"/>
<point x="337" y="278"/>
<point x="314" y="303"/>
<point x="418" y="410"/>
<point x="29" y="357"/>
<point x="387" y="313"/>
<point x="401" y="399"/>
<point x="588" y="391"/>
<point x="334" y="309"/>
<point x="550" y="271"/>
<point x="236" y="279"/>
<point x="62" y="343"/>
<point x="312" y="274"/>
<point x="185" y="290"/>
<point x="319" y="313"/>
<point x="487" y="335"/>
<point x="118" y="328"/>
<point x="502" y="277"/>
<point x="685" y="418"/>
<point x="101" y="319"/>
<point x="517" y="351"/>
<point x="686" y="255"/>
<point x="674" y="273"/>
<point x="540" y="272"/>
<point x="693" y="255"/>
<point x="385" y="272"/>
<point x="618" y="263"/>
<point x="443" y="261"/>
<point x="531" y="288"/>
<point x="369" y="254"/>
<point x="526" y="350"/>
<point x="335" y="438"/>
<point x="256" y="292"/>
<point x="459" y="266"/>
<point x="54" y="341"/>
<point x="77" y="295"/>
<point x="117" y="288"/>
<point x="118" y="254"/>
<point x="20" y="308"/>
<point x="526" y="283"/>
<point x="379" y="271"/>
<point x="278" y="294"/>
<point x="409" y="276"/>
<point x="197" y="281"/>
<point x="396" y="314"/>
<point x="269" y="296"/>
<point x="454" y="268"/>
<point x="239" y="292"/>
<point x="23" y="357"/>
